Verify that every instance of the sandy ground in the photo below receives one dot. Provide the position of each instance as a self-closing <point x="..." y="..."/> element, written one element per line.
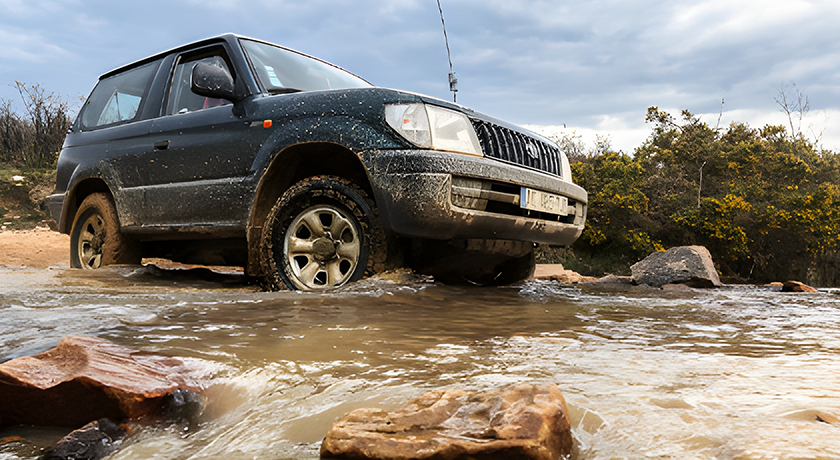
<point x="39" y="248"/>
<point x="44" y="248"/>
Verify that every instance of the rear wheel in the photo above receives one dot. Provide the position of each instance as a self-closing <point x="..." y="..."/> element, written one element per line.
<point x="323" y="232"/>
<point x="96" y="239"/>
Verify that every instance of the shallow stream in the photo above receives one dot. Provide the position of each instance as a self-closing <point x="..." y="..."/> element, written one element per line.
<point x="733" y="373"/>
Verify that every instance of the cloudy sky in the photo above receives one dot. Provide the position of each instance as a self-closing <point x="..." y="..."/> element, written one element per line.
<point x="591" y="66"/>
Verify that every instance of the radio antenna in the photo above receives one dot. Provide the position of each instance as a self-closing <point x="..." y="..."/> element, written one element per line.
<point x="453" y="82"/>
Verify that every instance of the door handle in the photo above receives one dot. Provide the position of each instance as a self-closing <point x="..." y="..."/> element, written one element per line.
<point x="162" y="145"/>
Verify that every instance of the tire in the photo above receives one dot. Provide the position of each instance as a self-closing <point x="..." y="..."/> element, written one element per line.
<point x="515" y="270"/>
<point x="96" y="239"/>
<point x="323" y="232"/>
<point x="479" y="262"/>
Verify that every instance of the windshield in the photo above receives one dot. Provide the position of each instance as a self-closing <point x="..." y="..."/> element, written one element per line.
<point x="280" y="70"/>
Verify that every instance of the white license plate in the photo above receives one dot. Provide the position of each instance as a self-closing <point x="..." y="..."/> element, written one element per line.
<point x="537" y="200"/>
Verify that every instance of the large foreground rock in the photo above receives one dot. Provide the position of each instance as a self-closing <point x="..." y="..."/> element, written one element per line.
<point x="518" y="422"/>
<point x="86" y="378"/>
<point x="689" y="265"/>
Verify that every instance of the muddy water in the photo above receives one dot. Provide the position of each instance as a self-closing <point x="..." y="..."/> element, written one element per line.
<point x="739" y="372"/>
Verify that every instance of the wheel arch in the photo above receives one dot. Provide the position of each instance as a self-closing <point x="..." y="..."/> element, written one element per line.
<point x="291" y="165"/>
<point x="74" y="199"/>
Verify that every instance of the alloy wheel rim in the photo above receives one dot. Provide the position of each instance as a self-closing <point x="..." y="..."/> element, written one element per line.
<point x="322" y="247"/>
<point x="91" y="241"/>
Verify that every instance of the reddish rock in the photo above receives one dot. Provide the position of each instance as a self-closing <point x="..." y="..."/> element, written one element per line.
<point x="517" y="422"/>
<point x="556" y="272"/>
<point x="86" y="378"/>
<point x="796" y="286"/>
<point x="828" y="418"/>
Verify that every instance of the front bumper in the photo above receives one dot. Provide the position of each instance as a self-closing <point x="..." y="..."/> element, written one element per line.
<point x="54" y="204"/>
<point x="438" y="195"/>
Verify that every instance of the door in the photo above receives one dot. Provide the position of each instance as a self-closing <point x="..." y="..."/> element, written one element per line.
<point x="196" y="173"/>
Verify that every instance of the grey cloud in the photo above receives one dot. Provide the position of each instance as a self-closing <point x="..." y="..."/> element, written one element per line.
<point x="541" y="62"/>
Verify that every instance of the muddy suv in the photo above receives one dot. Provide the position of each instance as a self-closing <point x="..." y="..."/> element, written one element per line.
<point x="239" y="152"/>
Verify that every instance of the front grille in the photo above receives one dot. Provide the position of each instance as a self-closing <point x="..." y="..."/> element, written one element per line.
<point x="502" y="198"/>
<point x="515" y="147"/>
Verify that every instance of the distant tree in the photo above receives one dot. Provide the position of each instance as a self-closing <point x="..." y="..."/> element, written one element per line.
<point x="33" y="138"/>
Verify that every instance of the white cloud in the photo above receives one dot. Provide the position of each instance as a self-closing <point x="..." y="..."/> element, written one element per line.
<point x="628" y="131"/>
<point x="623" y="137"/>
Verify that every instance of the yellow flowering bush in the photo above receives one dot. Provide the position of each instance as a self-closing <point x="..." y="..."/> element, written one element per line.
<point x="764" y="202"/>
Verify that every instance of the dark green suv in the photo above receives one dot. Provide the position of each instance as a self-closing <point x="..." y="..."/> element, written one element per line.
<point x="235" y="151"/>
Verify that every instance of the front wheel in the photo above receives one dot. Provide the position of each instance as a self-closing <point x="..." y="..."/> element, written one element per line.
<point x="323" y="232"/>
<point x="96" y="239"/>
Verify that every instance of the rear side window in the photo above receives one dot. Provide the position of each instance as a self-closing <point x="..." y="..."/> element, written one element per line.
<point x="117" y="99"/>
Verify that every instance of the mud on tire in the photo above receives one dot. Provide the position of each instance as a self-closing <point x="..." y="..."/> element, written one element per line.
<point x="96" y="239"/>
<point x="322" y="232"/>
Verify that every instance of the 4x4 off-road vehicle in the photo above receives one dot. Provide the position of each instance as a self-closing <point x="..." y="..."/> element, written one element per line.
<point x="236" y="151"/>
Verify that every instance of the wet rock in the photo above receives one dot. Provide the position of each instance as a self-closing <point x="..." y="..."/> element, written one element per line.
<point x="556" y="272"/>
<point x="517" y="422"/>
<point x="676" y="287"/>
<point x="825" y="417"/>
<point x="183" y="405"/>
<point x="86" y="378"/>
<point x="774" y="286"/>
<point x="93" y="441"/>
<point x="614" y="279"/>
<point x="17" y="446"/>
<point x="689" y="265"/>
<point x="796" y="286"/>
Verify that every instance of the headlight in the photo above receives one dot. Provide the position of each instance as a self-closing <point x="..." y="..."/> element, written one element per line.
<point x="566" y="167"/>
<point x="434" y="127"/>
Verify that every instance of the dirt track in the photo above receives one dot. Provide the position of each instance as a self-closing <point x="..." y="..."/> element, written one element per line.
<point x="43" y="248"/>
<point x="38" y="248"/>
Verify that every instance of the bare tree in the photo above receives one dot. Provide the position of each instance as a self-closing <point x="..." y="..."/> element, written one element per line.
<point x="571" y="144"/>
<point x="47" y="122"/>
<point x="794" y="104"/>
<point x="720" y="115"/>
<point x="12" y="132"/>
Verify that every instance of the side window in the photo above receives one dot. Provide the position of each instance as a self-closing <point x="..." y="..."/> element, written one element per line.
<point x="181" y="98"/>
<point x="118" y="98"/>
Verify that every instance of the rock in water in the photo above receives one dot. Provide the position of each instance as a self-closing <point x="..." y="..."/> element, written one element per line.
<point x="796" y="286"/>
<point x="689" y="265"/>
<point x="556" y="272"/>
<point x="86" y="378"/>
<point x="93" y="441"/>
<point x="518" y="422"/>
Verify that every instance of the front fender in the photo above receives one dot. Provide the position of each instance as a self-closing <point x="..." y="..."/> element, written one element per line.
<point x="345" y="131"/>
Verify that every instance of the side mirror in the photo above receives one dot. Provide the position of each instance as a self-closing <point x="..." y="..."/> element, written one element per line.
<point x="213" y="80"/>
